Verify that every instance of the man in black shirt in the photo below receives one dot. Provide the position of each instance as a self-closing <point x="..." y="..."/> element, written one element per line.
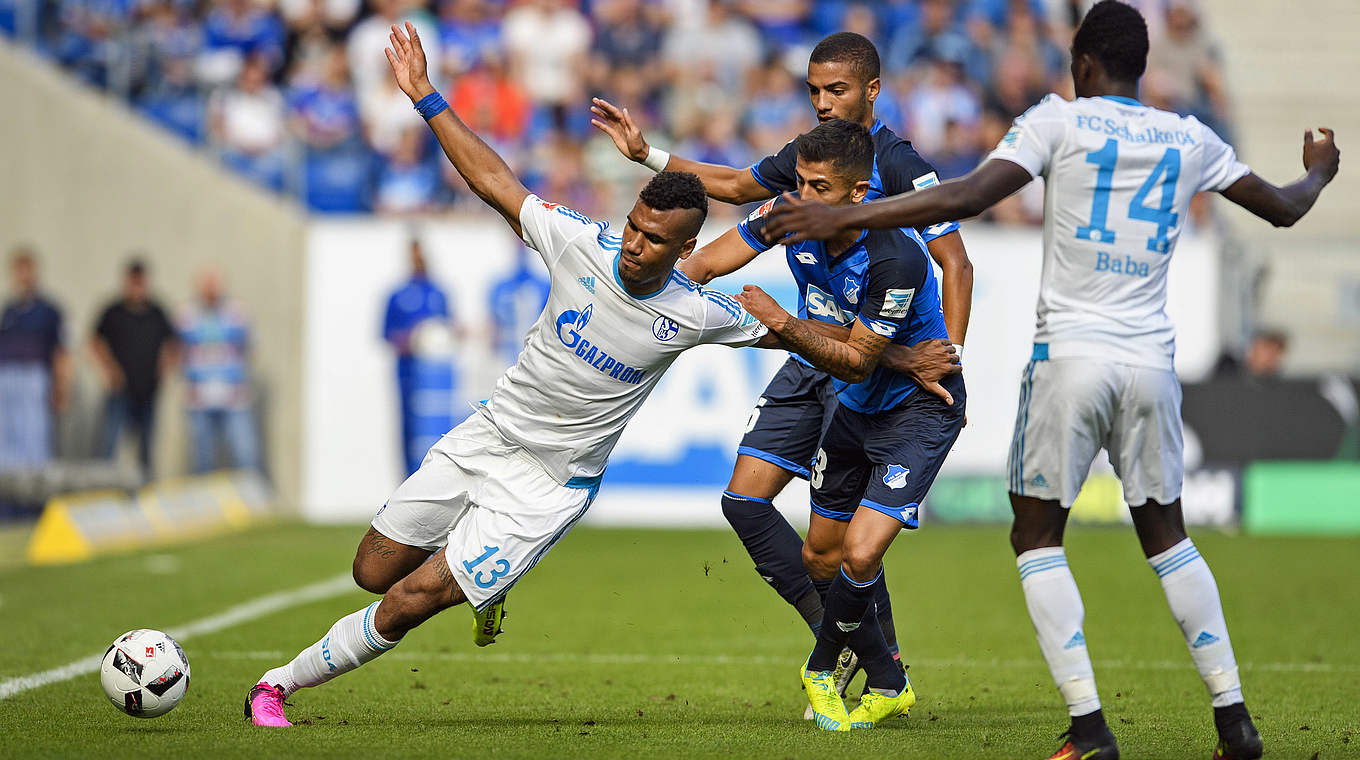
<point x="132" y="344"/>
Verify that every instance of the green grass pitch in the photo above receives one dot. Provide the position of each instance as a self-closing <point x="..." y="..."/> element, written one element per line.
<point x="666" y="644"/>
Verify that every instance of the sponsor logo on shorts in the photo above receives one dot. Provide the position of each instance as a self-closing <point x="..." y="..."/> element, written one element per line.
<point x="896" y="477"/>
<point x="665" y="328"/>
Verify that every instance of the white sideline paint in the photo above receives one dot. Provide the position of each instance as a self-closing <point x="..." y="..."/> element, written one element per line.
<point x="241" y="613"/>
<point x="659" y="659"/>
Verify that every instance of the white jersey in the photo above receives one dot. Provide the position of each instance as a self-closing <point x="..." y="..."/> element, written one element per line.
<point x="596" y="351"/>
<point x="1119" y="177"/>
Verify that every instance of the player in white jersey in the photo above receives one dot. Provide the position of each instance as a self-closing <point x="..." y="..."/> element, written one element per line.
<point x="501" y="489"/>
<point x="1119" y="177"/>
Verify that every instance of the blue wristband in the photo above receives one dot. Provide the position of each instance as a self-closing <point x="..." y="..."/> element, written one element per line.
<point x="431" y="106"/>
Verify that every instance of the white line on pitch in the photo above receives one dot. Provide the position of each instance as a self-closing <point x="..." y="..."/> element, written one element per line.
<point x="241" y="613"/>
<point x="680" y="659"/>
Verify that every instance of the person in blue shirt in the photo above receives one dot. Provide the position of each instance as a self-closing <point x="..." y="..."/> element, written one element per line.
<point x="34" y="369"/>
<point x="886" y="438"/>
<point x="515" y="304"/>
<point x="425" y="383"/>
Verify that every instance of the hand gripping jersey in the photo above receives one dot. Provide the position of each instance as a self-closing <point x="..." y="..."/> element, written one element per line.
<point x="884" y="280"/>
<point x="1119" y="177"/>
<point x="898" y="169"/>
<point x="596" y="352"/>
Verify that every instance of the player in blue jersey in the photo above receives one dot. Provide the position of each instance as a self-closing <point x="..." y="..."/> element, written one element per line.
<point x="1119" y="177"/>
<point x="885" y="439"/>
<point x="843" y="82"/>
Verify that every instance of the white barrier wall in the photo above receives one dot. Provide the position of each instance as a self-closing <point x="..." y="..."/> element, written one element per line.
<point x="676" y="456"/>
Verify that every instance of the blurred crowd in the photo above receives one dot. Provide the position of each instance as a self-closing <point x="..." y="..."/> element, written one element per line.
<point x="297" y="96"/>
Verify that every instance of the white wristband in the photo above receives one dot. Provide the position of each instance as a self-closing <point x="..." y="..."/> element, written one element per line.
<point x="958" y="348"/>
<point x="656" y="159"/>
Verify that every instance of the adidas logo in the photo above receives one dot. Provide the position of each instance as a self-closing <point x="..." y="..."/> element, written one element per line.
<point x="1037" y="482"/>
<point x="1077" y="640"/>
<point x="1204" y="639"/>
<point x="588" y="283"/>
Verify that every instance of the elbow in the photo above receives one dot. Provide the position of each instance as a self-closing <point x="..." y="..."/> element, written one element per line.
<point x="1287" y="217"/>
<point x="852" y="375"/>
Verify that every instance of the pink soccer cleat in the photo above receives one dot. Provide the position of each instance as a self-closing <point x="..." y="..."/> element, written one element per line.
<point x="264" y="706"/>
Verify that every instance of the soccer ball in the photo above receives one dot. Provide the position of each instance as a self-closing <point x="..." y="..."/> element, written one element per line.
<point x="145" y="673"/>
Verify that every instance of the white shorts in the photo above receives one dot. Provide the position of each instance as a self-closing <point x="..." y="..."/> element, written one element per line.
<point x="1071" y="408"/>
<point x="485" y="499"/>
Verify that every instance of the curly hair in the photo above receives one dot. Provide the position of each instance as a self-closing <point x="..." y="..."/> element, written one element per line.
<point x="846" y="144"/>
<point x="670" y="190"/>
<point x="850" y="48"/>
<point x="1116" y="35"/>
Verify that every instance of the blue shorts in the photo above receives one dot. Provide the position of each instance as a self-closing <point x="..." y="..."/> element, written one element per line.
<point x="789" y="417"/>
<point x="886" y="461"/>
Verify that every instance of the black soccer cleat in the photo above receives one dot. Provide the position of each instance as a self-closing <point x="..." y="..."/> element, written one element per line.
<point x="1101" y="747"/>
<point x="1239" y="740"/>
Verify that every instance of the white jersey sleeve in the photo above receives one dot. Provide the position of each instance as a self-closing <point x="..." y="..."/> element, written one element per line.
<point x="550" y="228"/>
<point x="725" y="322"/>
<point x="1221" y="167"/>
<point x="1035" y="136"/>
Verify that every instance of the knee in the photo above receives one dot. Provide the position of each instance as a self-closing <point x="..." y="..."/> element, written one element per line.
<point x="370" y="578"/>
<point x="1026" y="536"/>
<point x="821" y="562"/>
<point x="861" y="562"/>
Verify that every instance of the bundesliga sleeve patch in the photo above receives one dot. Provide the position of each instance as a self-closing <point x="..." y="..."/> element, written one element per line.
<point x="897" y="302"/>
<point x="925" y="180"/>
<point x="1010" y="142"/>
<point x="763" y="210"/>
<point x="886" y="329"/>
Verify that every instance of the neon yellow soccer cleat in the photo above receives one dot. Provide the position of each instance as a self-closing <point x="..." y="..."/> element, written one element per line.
<point x="827" y="706"/>
<point x="875" y="708"/>
<point x="486" y="625"/>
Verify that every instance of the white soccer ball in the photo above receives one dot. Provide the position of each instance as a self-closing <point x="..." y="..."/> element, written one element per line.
<point x="145" y="673"/>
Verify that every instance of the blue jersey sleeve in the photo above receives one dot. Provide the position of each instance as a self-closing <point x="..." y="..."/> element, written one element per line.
<point x="897" y="272"/>
<point x="752" y="228"/>
<point x="778" y="173"/>
<point x="902" y="170"/>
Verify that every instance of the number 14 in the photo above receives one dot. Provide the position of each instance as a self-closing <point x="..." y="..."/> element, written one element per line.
<point x="1166" y="173"/>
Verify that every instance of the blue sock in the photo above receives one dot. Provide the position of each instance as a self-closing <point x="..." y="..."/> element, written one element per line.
<point x="883" y="607"/>
<point x="777" y="550"/>
<point x="849" y="622"/>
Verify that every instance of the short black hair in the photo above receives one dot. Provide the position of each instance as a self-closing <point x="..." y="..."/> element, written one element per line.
<point x="670" y="190"/>
<point x="851" y="48"/>
<point x="846" y="144"/>
<point x="136" y="267"/>
<point x="1116" y="35"/>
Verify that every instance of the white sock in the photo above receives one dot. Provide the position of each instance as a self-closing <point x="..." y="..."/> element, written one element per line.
<point x="1193" y="596"/>
<point x="351" y="642"/>
<point x="1057" y="613"/>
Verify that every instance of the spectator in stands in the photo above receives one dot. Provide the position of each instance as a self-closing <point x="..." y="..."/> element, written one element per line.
<point x="332" y="15"/>
<point x="626" y="49"/>
<point x="235" y="32"/>
<point x="215" y="339"/>
<point x="173" y="100"/>
<point x="937" y="36"/>
<point x="780" y="21"/>
<point x="408" y="183"/>
<point x="35" y="370"/>
<point x="777" y="107"/>
<point x="1187" y="63"/>
<point x="368" y="39"/>
<point x="724" y="47"/>
<point x="939" y="99"/>
<point x="133" y="346"/>
<point x="167" y="36"/>
<point x="248" y="123"/>
<point x="471" y="32"/>
<point x="416" y="311"/>
<point x="325" y="115"/>
<point x="548" y="41"/>
<point x="490" y="102"/>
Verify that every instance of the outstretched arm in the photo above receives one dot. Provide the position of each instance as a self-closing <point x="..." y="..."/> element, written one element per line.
<point x="725" y="255"/>
<point x="481" y="167"/>
<point x="1283" y="206"/>
<point x="723" y="183"/>
<point x="956" y="199"/>
<point x="851" y="359"/>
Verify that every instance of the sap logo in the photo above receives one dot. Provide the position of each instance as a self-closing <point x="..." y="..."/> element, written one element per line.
<point x="851" y="290"/>
<point x="664" y="329"/>
<point x="806" y="257"/>
<point x="1127" y="267"/>
<point x="896" y="477"/>
<point x="326" y="652"/>
<point x="574" y="322"/>
<point x="897" y="302"/>
<point x="821" y="304"/>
